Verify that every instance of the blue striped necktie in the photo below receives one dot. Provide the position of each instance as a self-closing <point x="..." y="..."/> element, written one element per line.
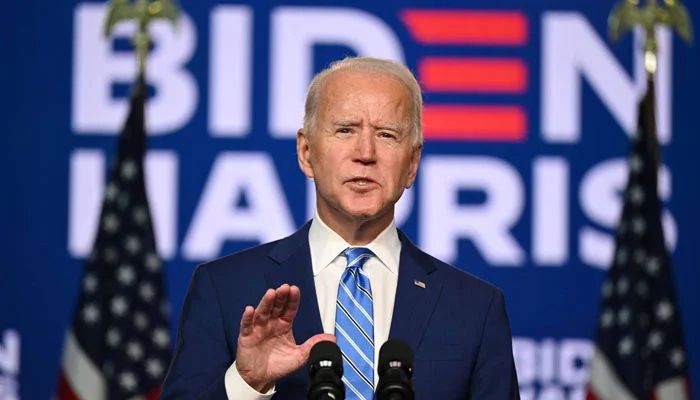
<point x="354" y="326"/>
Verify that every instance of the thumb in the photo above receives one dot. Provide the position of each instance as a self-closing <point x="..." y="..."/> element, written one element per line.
<point x="311" y="342"/>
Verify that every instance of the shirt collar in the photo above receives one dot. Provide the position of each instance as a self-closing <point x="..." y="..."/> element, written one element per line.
<point x="325" y="245"/>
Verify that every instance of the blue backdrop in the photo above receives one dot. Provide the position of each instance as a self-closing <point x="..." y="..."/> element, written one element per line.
<point x="525" y="194"/>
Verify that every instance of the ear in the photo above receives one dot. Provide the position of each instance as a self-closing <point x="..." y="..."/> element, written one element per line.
<point x="304" y="153"/>
<point x="413" y="165"/>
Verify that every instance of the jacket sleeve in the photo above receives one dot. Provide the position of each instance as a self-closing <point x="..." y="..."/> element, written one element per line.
<point x="202" y="353"/>
<point x="494" y="374"/>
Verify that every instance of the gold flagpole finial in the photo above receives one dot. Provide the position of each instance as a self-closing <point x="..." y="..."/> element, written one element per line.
<point x="628" y="14"/>
<point x="141" y="11"/>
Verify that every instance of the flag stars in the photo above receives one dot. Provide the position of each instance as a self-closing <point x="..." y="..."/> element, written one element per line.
<point x="161" y="337"/>
<point x="90" y="283"/>
<point x="152" y="262"/>
<point x="623" y="286"/>
<point x="639" y="256"/>
<point x="636" y="195"/>
<point x="111" y="191"/>
<point x="607" y="319"/>
<point x="91" y="314"/>
<point x="113" y="337"/>
<point x="147" y="292"/>
<point x="638" y="225"/>
<point x="623" y="316"/>
<point x="636" y="163"/>
<point x="134" y="350"/>
<point x="140" y="320"/>
<point x="607" y="289"/>
<point x="653" y="265"/>
<point x="140" y="215"/>
<point x="677" y="357"/>
<point x="626" y="346"/>
<point x="132" y="244"/>
<point x="129" y="169"/>
<point x="664" y="311"/>
<point x="154" y="368"/>
<point x="126" y="275"/>
<point x="655" y="340"/>
<point x="110" y="223"/>
<point x="128" y="381"/>
<point x="119" y="306"/>
<point x="621" y="256"/>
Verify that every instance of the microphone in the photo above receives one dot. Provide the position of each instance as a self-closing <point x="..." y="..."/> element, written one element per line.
<point x="395" y="371"/>
<point x="325" y="370"/>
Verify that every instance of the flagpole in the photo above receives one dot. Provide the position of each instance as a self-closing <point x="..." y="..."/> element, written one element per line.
<point x="627" y="15"/>
<point x="143" y="12"/>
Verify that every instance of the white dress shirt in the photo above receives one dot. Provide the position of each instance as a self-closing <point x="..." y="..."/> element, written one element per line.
<point x="328" y="265"/>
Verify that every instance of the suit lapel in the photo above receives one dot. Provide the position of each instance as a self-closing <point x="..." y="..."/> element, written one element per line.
<point x="413" y="305"/>
<point x="294" y="259"/>
<point x="417" y="293"/>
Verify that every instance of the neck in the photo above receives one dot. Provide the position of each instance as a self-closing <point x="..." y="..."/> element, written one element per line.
<point x="356" y="231"/>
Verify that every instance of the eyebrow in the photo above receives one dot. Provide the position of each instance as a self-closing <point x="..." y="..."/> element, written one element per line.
<point x="391" y="127"/>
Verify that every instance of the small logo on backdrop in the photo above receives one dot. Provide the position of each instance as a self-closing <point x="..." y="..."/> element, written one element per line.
<point x="553" y="369"/>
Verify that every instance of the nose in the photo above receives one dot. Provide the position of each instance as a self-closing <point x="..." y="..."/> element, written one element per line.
<point x="365" y="147"/>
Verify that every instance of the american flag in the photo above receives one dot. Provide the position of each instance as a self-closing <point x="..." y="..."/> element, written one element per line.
<point x="639" y="350"/>
<point x="118" y="346"/>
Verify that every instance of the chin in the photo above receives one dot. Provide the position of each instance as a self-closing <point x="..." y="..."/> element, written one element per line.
<point x="364" y="211"/>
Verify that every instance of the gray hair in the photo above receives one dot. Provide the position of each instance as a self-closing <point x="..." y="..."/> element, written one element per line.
<point x="372" y="65"/>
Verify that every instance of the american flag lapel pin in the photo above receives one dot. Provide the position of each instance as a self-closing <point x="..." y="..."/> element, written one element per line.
<point x="418" y="283"/>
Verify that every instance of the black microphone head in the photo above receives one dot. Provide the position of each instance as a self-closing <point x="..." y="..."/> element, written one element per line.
<point x="395" y="353"/>
<point x="325" y="354"/>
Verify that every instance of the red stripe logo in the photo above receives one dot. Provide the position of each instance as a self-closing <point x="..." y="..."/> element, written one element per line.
<point x="502" y="28"/>
<point x="496" y="76"/>
<point x="468" y="122"/>
<point x="483" y="75"/>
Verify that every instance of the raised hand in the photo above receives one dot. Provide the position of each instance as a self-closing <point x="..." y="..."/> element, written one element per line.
<point x="266" y="347"/>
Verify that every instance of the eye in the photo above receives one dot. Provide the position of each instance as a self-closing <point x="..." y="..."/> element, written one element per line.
<point x="388" y="135"/>
<point x="344" y="130"/>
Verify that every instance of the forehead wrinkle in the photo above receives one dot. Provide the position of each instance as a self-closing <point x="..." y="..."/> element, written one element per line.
<point x="388" y="111"/>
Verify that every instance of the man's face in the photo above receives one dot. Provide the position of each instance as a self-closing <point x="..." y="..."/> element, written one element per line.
<point x="361" y="154"/>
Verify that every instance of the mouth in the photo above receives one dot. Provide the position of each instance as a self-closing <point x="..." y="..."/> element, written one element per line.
<point x="361" y="182"/>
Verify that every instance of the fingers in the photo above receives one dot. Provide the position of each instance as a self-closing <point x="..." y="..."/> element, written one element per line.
<point x="290" y="311"/>
<point x="264" y="308"/>
<point x="277" y="303"/>
<point x="247" y="321"/>
<point x="281" y="300"/>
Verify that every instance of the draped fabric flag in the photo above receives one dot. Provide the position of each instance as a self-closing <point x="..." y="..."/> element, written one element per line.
<point x="639" y="350"/>
<point x="118" y="346"/>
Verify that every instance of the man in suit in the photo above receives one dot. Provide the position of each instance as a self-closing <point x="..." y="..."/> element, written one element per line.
<point x="348" y="275"/>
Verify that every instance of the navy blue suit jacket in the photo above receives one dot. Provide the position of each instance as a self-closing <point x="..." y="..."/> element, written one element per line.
<point x="456" y="325"/>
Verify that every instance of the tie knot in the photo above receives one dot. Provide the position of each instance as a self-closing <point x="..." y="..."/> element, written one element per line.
<point x="357" y="256"/>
